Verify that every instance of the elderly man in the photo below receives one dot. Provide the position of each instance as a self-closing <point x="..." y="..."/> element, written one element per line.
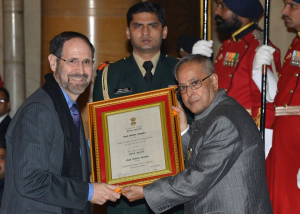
<point x="47" y="164"/>
<point x="284" y="177"/>
<point x="240" y="59"/>
<point x="225" y="167"/>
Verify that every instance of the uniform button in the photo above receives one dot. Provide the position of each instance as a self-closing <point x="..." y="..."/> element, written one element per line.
<point x="277" y="91"/>
<point x="279" y="75"/>
<point x="216" y="61"/>
<point x="239" y="40"/>
<point x="291" y="91"/>
<point x="246" y="46"/>
<point x="274" y="106"/>
<point x="290" y="47"/>
<point x="285" y="105"/>
<point x="284" y="61"/>
<point x="221" y="48"/>
<point x="225" y="89"/>
<point x="230" y="75"/>
<point x="296" y="74"/>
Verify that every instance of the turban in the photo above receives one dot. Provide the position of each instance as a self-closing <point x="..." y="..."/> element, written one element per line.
<point x="246" y="8"/>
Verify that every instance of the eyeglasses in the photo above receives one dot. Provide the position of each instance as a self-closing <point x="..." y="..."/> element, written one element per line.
<point x="193" y="85"/>
<point x="3" y="101"/>
<point x="87" y="63"/>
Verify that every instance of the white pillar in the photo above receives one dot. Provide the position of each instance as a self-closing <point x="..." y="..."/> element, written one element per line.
<point x="14" y="68"/>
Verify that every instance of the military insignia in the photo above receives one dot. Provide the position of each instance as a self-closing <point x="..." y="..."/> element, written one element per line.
<point x="288" y="56"/>
<point x="220" y="57"/>
<point x="123" y="90"/>
<point x="295" y="61"/>
<point x="231" y="59"/>
<point x="133" y="121"/>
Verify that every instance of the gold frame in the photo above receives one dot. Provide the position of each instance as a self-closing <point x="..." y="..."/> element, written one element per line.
<point x="99" y="141"/>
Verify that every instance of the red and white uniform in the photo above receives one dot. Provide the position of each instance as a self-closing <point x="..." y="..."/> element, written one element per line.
<point x="285" y="152"/>
<point x="234" y="65"/>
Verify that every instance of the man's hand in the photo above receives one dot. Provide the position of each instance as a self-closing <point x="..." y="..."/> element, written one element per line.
<point x="263" y="56"/>
<point x="104" y="192"/>
<point x="203" y="47"/>
<point x="182" y="117"/>
<point x="133" y="193"/>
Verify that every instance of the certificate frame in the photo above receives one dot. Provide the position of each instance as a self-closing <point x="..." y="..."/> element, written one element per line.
<point x="103" y="145"/>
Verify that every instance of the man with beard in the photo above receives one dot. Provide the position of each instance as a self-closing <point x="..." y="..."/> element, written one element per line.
<point x="47" y="164"/>
<point x="240" y="58"/>
<point x="284" y="177"/>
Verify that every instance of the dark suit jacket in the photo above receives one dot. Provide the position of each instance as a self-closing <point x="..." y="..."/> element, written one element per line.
<point x="34" y="158"/>
<point x="225" y="171"/>
<point x="126" y="74"/>
<point x="3" y="127"/>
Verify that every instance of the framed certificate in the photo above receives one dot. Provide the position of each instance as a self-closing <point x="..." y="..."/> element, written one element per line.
<point x="135" y="139"/>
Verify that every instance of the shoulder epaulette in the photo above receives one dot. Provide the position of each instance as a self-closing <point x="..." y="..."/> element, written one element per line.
<point x="103" y="64"/>
<point x="258" y="35"/>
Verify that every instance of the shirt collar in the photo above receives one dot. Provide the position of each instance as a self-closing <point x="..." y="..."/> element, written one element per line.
<point x="68" y="99"/>
<point x="140" y="62"/>
<point x="2" y="117"/>
<point x="243" y="31"/>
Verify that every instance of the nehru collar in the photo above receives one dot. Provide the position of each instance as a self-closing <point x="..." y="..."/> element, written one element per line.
<point x="243" y="31"/>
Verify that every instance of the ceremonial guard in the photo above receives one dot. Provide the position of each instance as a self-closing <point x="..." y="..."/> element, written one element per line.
<point x="284" y="177"/>
<point x="240" y="58"/>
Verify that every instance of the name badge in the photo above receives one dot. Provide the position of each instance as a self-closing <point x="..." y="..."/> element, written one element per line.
<point x="295" y="61"/>
<point x="123" y="90"/>
<point x="231" y="59"/>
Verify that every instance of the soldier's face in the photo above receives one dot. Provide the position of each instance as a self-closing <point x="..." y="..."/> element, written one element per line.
<point x="199" y="99"/>
<point x="146" y="33"/>
<point x="291" y="14"/>
<point x="227" y="21"/>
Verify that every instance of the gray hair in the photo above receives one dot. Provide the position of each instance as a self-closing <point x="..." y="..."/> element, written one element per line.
<point x="203" y="61"/>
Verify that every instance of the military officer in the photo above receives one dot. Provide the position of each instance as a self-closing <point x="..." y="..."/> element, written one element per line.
<point x="240" y="58"/>
<point x="284" y="174"/>
<point x="144" y="70"/>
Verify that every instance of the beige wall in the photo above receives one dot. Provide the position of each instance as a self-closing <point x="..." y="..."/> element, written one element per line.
<point x="279" y="34"/>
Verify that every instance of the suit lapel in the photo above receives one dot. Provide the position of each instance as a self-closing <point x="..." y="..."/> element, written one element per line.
<point x="135" y="75"/>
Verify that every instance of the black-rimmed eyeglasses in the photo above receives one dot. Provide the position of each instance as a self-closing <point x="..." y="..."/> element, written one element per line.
<point x="87" y="63"/>
<point x="193" y="85"/>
